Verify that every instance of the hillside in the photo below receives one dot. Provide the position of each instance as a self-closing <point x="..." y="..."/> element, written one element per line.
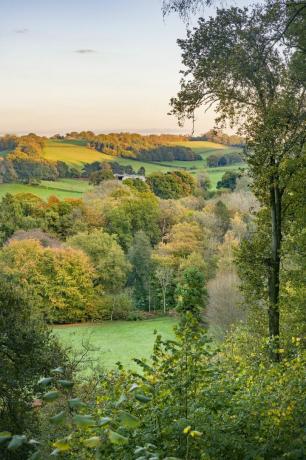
<point x="75" y="153"/>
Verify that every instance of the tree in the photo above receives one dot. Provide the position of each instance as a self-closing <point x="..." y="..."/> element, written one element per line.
<point x="28" y="351"/>
<point x="58" y="282"/>
<point x="191" y="292"/>
<point x="110" y="263"/>
<point x="171" y="184"/>
<point x="129" y="212"/>
<point x="228" y="180"/>
<point x="142" y="269"/>
<point x="97" y="177"/>
<point x="141" y="171"/>
<point x="231" y="62"/>
<point x="164" y="275"/>
<point x="223" y="219"/>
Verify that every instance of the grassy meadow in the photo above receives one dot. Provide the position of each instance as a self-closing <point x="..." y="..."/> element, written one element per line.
<point x="115" y="341"/>
<point x="64" y="188"/>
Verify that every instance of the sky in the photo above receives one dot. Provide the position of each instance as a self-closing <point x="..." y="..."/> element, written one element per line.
<point x="101" y="65"/>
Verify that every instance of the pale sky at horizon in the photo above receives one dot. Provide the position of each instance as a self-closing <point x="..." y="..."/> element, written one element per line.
<point x="99" y="65"/>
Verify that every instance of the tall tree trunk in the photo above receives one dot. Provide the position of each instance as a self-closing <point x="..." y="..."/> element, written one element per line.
<point x="274" y="272"/>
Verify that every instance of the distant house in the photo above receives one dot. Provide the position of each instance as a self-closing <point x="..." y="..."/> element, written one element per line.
<point x="122" y="177"/>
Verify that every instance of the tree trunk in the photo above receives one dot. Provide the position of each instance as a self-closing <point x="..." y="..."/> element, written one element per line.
<point x="149" y="292"/>
<point x="164" y="299"/>
<point x="274" y="272"/>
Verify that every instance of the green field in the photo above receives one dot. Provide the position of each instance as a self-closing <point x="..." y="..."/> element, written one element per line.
<point x="115" y="341"/>
<point x="64" y="188"/>
<point x="76" y="154"/>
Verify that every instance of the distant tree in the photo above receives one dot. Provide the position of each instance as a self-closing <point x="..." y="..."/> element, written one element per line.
<point x="137" y="183"/>
<point x="204" y="182"/>
<point x="172" y="184"/>
<point x="229" y="180"/>
<point x="109" y="260"/>
<point x="57" y="281"/>
<point x="97" y="177"/>
<point x="141" y="171"/>
<point x="164" y="275"/>
<point x="191" y="292"/>
<point x="7" y="171"/>
<point x="45" y="239"/>
<point x="142" y="269"/>
<point x="132" y="211"/>
<point x="19" y="212"/>
<point x="63" y="169"/>
<point x="223" y="219"/>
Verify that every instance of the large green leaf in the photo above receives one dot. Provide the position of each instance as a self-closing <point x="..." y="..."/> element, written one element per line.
<point x="142" y="398"/>
<point x="66" y="383"/>
<point x="45" y="381"/>
<point x="116" y="438"/>
<point x="128" y="421"/>
<point x="61" y="445"/>
<point x="92" y="442"/>
<point x="76" y="403"/>
<point x="16" y="441"/>
<point x="58" y="418"/>
<point x="51" y="396"/>
<point x="104" y="421"/>
<point x="84" y="420"/>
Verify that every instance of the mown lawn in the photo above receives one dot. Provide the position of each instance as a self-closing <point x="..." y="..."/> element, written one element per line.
<point x="115" y="341"/>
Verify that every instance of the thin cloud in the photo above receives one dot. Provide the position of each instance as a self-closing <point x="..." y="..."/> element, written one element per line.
<point x="21" y="31"/>
<point x="85" y="51"/>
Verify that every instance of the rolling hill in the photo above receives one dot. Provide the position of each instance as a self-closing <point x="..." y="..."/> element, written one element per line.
<point x="75" y="153"/>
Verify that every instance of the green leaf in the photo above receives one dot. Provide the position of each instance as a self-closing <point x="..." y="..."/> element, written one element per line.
<point x="76" y="403"/>
<point x="45" y="380"/>
<point x="61" y="445"/>
<point x="133" y="387"/>
<point x="128" y="420"/>
<point x="116" y="438"/>
<point x="142" y="398"/>
<point x="16" y="441"/>
<point x="58" y="418"/>
<point x="57" y="370"/>
<point x="33" y="442"/>
<point x="120" y="400"/>
<point x="104" y="421"/>
<point x="51" y="396"/>
<point x="84" y="420"/>
<point x="95" y="441"/>
<point x="4" y="436"/>
<point x="66" y="383"/>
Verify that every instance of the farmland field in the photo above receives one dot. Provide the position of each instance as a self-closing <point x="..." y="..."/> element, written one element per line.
<point x="65" y="188"/>
<point x="116" y="341"/>
<point x="76" y="154"/>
